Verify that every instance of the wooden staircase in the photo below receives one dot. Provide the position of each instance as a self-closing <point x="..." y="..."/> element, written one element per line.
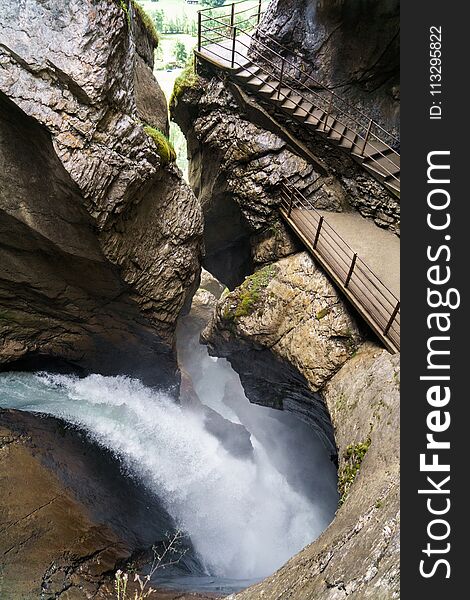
<point x="379" y="159"/>
<point x="230" y="48"/>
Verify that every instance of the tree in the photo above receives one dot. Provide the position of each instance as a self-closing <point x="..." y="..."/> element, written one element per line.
<point x="213" y="3"/>
<point x="181" y="55"/>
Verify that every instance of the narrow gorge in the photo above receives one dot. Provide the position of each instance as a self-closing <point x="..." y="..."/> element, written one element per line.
<point x="192" y="403"/>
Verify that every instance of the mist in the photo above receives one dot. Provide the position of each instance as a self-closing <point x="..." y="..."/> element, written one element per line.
<point x="250" y="486"/>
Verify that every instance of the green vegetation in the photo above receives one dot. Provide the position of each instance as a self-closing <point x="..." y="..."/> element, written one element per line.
<point x="322" y="313"/>
<point x="249" y="293"/>
<point x="181" y="55"/>
<point x="184" y="81"/>
<point x="165" y="148"/>
<point x="147" y="22"/>
<point x="353" y="457"/>
<point x="213" y="3"/>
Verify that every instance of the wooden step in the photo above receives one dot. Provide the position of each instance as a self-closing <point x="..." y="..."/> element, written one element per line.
<point x="349" y="140"/>
<point x="292" y="103"/>
<point x="304" y="109"/>
<point x="269" y="89"/>
<point x="314" y="117"/>
<point x="244" y="73"/>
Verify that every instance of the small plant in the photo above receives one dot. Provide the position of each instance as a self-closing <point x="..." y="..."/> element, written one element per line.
<point x="353" y="457"/>
<point x="165" y="148"/>
<point x="321" y="314"/>
<point x="171" y="555"/>
<point x="249" y="294"/>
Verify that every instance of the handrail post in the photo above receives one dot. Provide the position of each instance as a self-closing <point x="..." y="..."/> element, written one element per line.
<point x="234" y="43"/>
<point x="317" y="235"/>
<point x="232" y="15"/>
<point x="280" y="78"/>
<point x="259" y="11"/>
<point x="367" y="137"/>
<point x="351" y="269"/>
<point x="290" y="205"/>
<point x="330" y="105"/>
<point x="199" y="30"/>
<point x="392" y="318"/>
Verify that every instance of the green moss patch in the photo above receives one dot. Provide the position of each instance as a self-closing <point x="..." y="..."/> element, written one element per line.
<point x="147" y="21"/>
<point x="249" y="294"/>
<point x="165" y="148"/>
<point x="353" y="457"/>
<point x="187" y="79"/>
<point x="321" y="314"/>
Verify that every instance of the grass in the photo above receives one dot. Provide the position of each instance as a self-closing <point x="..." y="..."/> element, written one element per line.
<point x="353" y="457"/>
<point x="165" y="148"/>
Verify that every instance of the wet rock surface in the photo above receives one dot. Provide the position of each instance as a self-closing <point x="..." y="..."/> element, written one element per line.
<point x="80" y="81"/>
<point x="69" y="516"/>
<point x="358" y="554"/>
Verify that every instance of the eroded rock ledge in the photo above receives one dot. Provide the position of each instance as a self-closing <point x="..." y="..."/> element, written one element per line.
<point x="297" y="347"/>
<point x="102" y="242"/>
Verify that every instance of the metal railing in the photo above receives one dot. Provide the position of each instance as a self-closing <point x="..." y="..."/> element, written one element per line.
<point x="372" y="298"/>
<point x="227" y="33"/>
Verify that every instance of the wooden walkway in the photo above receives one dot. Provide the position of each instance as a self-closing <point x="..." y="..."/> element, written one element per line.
<point x="226" y="43"/>
<point x="222" y="43"/>
<point x="376" y="303"/>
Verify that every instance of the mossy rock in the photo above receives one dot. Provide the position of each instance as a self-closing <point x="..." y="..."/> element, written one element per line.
<point x="353" y="457"/>
<point x="147" y="22"/>
<point x="146" y="19"/>
<point x="188" y="78"/>
<point x="249" y="294"/>
<point x="165" y="148"/>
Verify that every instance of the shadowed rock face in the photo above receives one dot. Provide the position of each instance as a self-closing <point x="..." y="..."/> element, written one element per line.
<point x="350" y="46"/>
<point x="62" y="303"/>
<point x="69" y="516"/>
<point x="103" y="243"/>
<point x="358" y="556"/>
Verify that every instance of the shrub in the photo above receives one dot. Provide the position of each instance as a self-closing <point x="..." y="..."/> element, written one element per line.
<point x="353" y="457"/>
<point x="165" y="148"/>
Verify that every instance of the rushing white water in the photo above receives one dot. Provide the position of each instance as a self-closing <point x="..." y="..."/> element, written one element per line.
<point x="245" y="517"/>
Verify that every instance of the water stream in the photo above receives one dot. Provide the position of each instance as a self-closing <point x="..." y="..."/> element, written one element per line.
<point x="247" y="508"/>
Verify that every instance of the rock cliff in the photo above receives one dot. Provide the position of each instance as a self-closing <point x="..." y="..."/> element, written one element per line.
<point x="297" y="347"/>
<point x="240" y="149"/>
<point x="101" y="240"/>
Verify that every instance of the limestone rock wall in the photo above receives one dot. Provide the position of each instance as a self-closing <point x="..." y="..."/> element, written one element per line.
<point x="76" y="78"/>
